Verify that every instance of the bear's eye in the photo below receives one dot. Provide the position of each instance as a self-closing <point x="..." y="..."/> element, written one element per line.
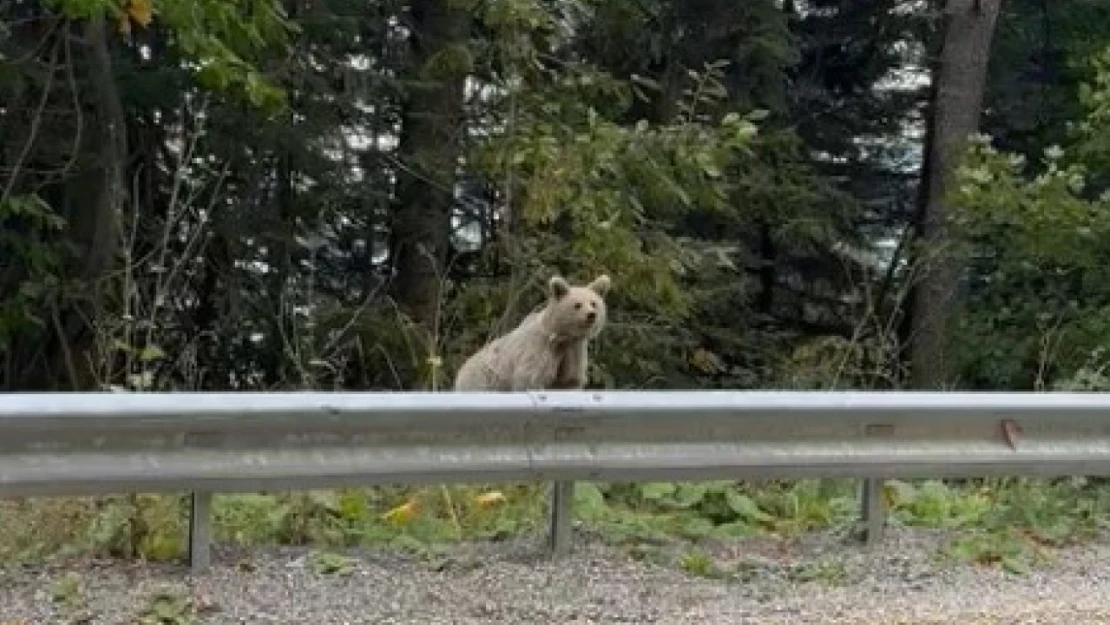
<point x="577" y="305"/>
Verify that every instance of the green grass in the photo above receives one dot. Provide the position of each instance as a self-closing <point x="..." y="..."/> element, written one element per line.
<point x="1012" y="523"/>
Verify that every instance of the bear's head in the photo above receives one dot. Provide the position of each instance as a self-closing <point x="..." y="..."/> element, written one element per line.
<point x="576" y="312"/>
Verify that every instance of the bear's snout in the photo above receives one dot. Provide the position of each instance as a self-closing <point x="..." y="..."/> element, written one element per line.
<point x="591" y="316"/>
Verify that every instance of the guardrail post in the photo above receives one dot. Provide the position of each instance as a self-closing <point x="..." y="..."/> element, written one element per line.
<point x="873" y="510"/>
<point x="200" y="531"/>
<point x="562" y="498"/>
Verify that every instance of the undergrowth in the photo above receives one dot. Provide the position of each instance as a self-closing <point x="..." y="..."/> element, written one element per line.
<point x="1012" y="523"/>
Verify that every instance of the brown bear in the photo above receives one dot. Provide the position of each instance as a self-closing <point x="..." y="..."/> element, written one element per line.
<point x="548" y="349"/>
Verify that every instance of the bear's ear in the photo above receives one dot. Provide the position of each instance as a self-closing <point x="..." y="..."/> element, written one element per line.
<point x="600" y="285"/>
<point x="558" y="287"/>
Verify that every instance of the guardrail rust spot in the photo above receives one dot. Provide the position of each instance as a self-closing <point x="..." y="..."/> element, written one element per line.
<point x="1010" y="432"/>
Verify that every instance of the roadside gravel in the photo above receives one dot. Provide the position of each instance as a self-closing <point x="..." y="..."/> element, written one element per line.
<point x="823" y="578"/>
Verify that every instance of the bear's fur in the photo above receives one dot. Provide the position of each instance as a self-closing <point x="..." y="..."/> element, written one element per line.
<point x="548" y="349"/>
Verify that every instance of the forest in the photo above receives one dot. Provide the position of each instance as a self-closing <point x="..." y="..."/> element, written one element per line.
<point x="326" y="194"/>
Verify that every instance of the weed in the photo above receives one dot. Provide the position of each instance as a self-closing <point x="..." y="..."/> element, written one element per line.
<point x="1008" y="521"/>
<point x="330" y="563"/>
<point x="697" y="562"/>
<point x="933" y="503"/>
<point x="1005" y="549"/>
<point x="1019" y="520"/>
<point x="68" y="591"/>
<point x="826" y="571"/>
<point x="168" y="607"/>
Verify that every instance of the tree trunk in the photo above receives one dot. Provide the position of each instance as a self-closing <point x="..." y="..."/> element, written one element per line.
<point x="90" y="200"/>
<point x="429" y="148"/>
<point x="958" y="96"/>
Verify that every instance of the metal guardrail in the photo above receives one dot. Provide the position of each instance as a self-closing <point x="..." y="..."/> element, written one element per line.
<point x="205" y="443"/>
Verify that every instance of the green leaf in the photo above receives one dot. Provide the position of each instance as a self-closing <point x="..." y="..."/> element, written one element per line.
<point x="690" y="494"/>
<point x="654" y="491"/>
<point x="1015" y="565"/>
<point x="256" y="88"/>
<point x="588" y="499"/>
<point x="746" y="507"/>
<point x="327" y="563"/>
<point x="151" y="352"/>
<point x="697" y="527"/>
<point x="898" y="493"/>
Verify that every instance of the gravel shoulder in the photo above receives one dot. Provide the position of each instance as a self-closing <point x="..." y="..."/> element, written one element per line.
<point x="897" y="583"/>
